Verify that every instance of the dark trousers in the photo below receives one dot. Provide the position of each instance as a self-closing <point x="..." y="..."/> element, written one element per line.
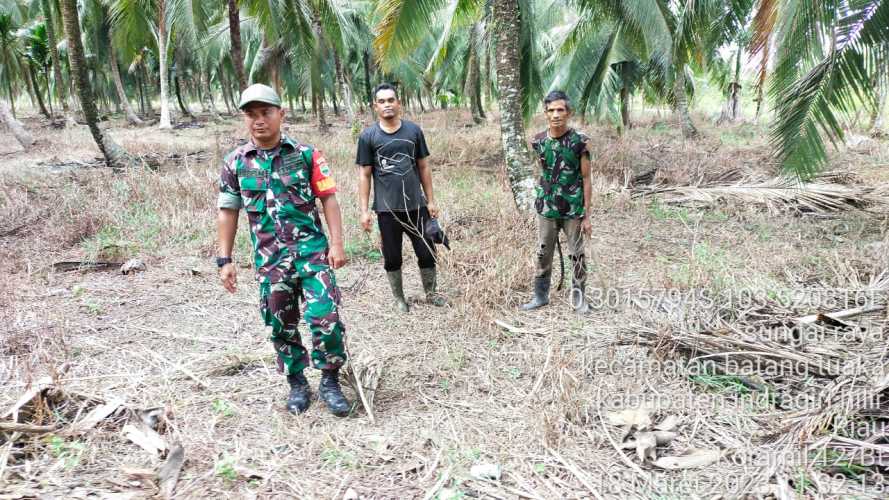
<point x="393" y="225"/>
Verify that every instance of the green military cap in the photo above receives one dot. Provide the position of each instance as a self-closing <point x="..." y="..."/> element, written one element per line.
<point x="259" y="93"/>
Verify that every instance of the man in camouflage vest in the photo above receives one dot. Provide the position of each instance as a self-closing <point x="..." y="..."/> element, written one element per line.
<point x="277" y="180"/>
<point x="563" y="199"/>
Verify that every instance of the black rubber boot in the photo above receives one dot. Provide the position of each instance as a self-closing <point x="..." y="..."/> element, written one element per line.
<point x="329" y="390"/>
<point x="541" y="294"/>
<point x="300" y="395"/>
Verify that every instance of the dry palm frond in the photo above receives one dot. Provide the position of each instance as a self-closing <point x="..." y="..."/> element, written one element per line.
<point x="843" y="401"/>
<point x="781" y="192"/>
<point x="363" y="376"/>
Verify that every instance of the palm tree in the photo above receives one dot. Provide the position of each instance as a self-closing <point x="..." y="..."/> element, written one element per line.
<point x="115" y="156"/>
<point x="36" y="46"/>
<point x="9" y="54"/>
<point x="131" y="115"/>
<point x="827" y="56"/>
<point x="518" y="78"/>
<point x="54" y="55"/>
<point x="666" y="41"/>
<point x="186" y="20"/>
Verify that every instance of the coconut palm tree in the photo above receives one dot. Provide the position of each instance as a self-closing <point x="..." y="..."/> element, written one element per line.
<point x="186" y="20"/>
<point x="36" y="45"/>
<point x="52" y="40"/>
<point x="511" y="28"/>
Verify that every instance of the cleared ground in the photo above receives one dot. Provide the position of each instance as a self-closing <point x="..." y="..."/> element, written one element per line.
<point x="531" y="395"/>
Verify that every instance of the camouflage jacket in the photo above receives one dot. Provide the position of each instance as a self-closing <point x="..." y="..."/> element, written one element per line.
<point x="277" y="188"/>
<point x="560" y="192"/>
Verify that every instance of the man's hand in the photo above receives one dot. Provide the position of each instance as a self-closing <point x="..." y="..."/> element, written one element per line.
<point x="365" y="220"/>
<point x="229" y="276"/>
<point x="337" y="256"/>
<point x="586" y="226"/>
<point x="433" y="210"/>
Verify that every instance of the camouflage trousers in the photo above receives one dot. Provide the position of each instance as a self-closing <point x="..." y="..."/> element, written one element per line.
<point x="279" y="306"/>
<point x="547" y="234"/>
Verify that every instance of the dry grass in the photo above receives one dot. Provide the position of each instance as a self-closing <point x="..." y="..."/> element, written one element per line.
<point x="455" y="389"/>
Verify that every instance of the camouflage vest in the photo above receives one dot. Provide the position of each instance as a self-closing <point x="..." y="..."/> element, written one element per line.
<point x="560" y="191"/>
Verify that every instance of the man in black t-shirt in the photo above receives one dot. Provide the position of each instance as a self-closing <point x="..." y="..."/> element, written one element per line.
<point x="392" y="156"/>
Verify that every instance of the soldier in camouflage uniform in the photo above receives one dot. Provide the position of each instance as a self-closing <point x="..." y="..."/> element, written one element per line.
<point x="563" y="198"/>
<point x="277" y="180"/>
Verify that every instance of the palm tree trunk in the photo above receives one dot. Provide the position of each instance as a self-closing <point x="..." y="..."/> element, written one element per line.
<point x="140" y="86"/>
<point x="625" y="108"/>
<point x="54" y="55"/>
<point x="317" y="88"/>
<point x="208" y="96"/>
<point x="29" y="87"/>
<point x="736" y="87"/>
<point x="688" y="127"/>
<point x="761" y="79"/>
<point x="472" y="76"/>
<point x="512" y="129"/>
<point x="15" y="126"/>
<point x="132" y="117"/>
<point x="367" y="86"/>
<point x="234" y="31"/>
<point x="115" y="156"/>
<point x="487" y="81"/>
<point x="147" y="83"/>
<point x="478" y="91"/>
<point x="11" y="95"/>
<point x="345" y="88"/>
<point x="31" y="79"/>
<point x="225" y="90"/>
<point x="732" y="109"/>
<point x="178" y="89"/>
<point x="879" y="116"/>
<point x="48" y="91"/>
<point x="162" y="56"/>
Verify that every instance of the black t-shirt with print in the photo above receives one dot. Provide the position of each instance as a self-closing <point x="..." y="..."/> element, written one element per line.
<point x="396" y="179"/>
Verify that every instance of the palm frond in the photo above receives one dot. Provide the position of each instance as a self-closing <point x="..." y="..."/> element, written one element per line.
<point x="778" y="193"/>
<point x="397" y="29"/>
<point x="809" y="105"/>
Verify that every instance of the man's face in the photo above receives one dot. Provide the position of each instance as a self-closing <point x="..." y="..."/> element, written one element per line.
<point x="557" y="114"/>
<point x="386" y="104"/>
<point x="263" y="120"/>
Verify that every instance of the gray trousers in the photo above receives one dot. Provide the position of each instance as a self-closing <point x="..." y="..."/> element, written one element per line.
<point x="547" y="234"/>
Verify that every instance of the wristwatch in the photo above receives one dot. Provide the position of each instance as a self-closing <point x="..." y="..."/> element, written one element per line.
<point x="222" y="261"/>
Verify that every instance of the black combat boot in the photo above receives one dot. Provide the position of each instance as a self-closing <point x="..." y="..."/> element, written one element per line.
<point x="300" y="395"/>
<point x="330" y="391"/>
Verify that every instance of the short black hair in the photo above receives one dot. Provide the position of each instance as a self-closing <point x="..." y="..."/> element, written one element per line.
<point x="385" y="86"/>
<point x="555" y="95"/>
